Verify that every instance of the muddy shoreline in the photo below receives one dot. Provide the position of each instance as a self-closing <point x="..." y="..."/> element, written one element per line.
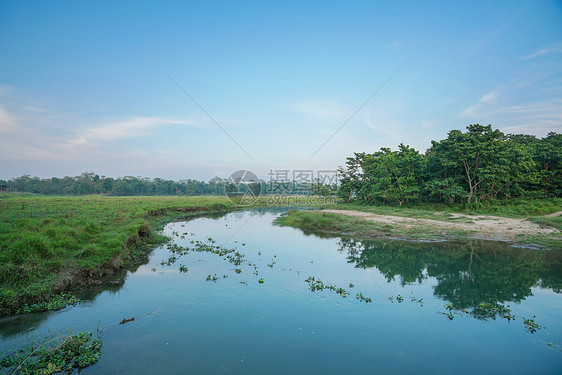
<point x="460" y="226"/>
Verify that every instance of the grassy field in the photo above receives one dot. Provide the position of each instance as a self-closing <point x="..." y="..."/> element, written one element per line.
<point x="45" y="239"/>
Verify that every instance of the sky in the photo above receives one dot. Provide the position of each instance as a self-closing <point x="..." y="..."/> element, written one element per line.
<point x="198" y="89"/>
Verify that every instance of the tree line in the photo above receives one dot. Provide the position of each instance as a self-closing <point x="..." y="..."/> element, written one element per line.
<point x="480" y="164"/>
<point x="91" y="183"/>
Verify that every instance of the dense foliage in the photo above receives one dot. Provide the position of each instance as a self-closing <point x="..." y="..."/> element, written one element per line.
<point x="478" y="165"/>
<point x="91" y="183"/>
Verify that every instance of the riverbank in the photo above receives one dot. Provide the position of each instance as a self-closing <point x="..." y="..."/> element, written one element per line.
<point x="52" y="244"/>
<point x="537" y="230"/>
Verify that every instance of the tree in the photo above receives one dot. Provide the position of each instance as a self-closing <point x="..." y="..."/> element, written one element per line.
<point x="384" y="175"/>
<point x="481" y="161"/>
<point x="121" y="187"/>
<point x="548" y="158"/>
<point x="351" y="177"/>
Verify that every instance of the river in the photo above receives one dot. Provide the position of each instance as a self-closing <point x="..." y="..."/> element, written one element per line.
<point x="255" y="313"/>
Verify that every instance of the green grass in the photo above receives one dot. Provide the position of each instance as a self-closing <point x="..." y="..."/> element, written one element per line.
<point x="515" y="208"/>
<point x="555" y="222"/>
<point x="324" y="223"/>
<point x="44" y="239"/>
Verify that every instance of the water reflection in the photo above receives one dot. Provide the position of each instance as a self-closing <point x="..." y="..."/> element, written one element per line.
<point x="467" y="273"/>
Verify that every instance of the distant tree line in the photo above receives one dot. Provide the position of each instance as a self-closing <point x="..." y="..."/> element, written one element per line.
<point x="91" y="183"/>
<point x="478" y="165"/>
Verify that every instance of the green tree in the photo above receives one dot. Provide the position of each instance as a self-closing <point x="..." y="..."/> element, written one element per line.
<point x="482" y="161"/>
<point x="548" y="158"/>
<point x="121" y="187"/>
<point x="385" y="175"/>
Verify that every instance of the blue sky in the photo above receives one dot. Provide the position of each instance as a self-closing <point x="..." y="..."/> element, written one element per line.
<point x="81" y="88"/>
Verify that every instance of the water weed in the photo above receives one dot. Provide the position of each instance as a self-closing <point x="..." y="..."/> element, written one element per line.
<point x="61" y="353"/>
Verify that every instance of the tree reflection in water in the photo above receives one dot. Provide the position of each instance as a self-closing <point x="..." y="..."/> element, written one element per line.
<point x="468" y="273"/>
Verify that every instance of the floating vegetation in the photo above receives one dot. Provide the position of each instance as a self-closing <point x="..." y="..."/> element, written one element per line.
<point x="398" y="299"/>
<point x="450" y="314"/>
<point x="212" y="278"/>
<point x="317" y="284"/>
<point x="260" y="281"/>
<point x="233" y="256"/>
<point x="487" y="310"/>
<point x="61" y="353"/>
<point x="416" y="300"/>
<point x="351" y="285"/>
<point x="362" y="298"/>
<point x="57" y="302"/>
<point x="530" y="325"/>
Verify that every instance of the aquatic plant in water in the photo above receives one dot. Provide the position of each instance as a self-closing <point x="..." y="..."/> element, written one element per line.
<point x="57" y="302"/>
<point x="530" y="325"/>
<point x="362" y="298"/>
<point x="317" y="284"/>
<point x="212" y="278"/>
<point x="61" y="353"/>
<point x="486" y="310"/>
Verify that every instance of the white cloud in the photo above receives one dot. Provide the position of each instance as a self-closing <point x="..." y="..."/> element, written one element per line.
<point x="27" y="133"/>
<point x="7" y="122"/>
<point x="537" y="117"/>
<point x="487" y="99"/>
<point x="129" y="128"/>
<point x="555" y="48"/>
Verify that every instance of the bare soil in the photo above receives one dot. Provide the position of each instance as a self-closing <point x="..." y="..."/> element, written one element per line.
<point x="479" y="226"/>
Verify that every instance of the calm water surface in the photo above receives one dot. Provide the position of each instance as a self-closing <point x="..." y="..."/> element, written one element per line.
<point x="236" y="325"/>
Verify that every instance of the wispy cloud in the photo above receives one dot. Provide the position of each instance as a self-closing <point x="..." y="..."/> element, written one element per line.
<point x="536" y="117"/>
<point x="7" y="122"/>
<point x="394" y="45"/>
<point x="486" y="99"/>
<point x="57" y="137"/>
<point x="127" y="128"/>
<point x="553" y="48"/>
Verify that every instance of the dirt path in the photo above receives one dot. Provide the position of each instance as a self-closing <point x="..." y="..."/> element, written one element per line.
<point x="490" y="227"/>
